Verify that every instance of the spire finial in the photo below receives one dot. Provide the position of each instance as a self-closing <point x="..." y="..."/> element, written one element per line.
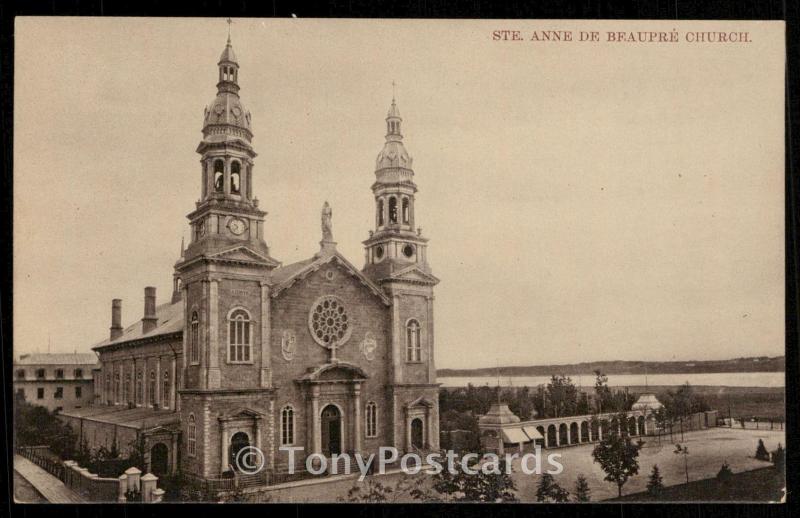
<point x="182" y="247"/>
<point x="394" y="93"/>
<point x="229" y="30"/>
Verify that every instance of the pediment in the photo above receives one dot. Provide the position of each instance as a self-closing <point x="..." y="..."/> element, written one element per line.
<point x="335" y="371"/>
<point x="421" y="401"/>
<point x="242" y="254"/>
<point x="413" y="274"/>
<point x="241" y="413"/>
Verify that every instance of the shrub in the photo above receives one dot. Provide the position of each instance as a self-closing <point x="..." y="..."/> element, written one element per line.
<point x="725" y="474"/>
<point x="655" y="484"/>
<point x="761" y="451"/>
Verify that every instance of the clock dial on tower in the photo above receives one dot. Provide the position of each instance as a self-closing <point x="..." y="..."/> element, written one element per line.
<point x="237" y="226"/>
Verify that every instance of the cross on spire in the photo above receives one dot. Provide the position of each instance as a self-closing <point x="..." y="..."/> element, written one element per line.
<point x="393" y="90"/>
<point x="229" y="29"/>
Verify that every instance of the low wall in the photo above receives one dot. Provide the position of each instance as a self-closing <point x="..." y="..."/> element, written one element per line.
<point x="90" y="486"/>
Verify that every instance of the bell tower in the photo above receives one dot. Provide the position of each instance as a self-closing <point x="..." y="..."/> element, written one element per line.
<point x="395" y="243"/>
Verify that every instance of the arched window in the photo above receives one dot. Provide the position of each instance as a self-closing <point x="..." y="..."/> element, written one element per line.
<point x="194" y="339"/>
<point x="236" y="179"/>
<point x="108" y="388"/>
<point x="116" y="388"/>
<point x="191" y="436"/>
<point x="392" y="210"/>
<point x="219" y="175"/>
<point x="372" y="419"/>
<point x="139" y="388"/>
<point x="287" y="425"/>
<point x="166" y="391"/>
<point x="151" y="389"/>
<point x="412" y="341"/>
<point x="406" y="211"/>
<point x="381" y="220"/>
<point x="126" y="389"/>
<point x="239" y="336"/>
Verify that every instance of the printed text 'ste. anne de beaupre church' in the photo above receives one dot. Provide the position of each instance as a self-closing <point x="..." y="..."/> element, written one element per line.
<point x="318" y="354"/>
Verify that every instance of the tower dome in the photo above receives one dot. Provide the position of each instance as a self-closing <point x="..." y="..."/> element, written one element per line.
<point x="393" y="161"/>
<point x="226" y="118"/>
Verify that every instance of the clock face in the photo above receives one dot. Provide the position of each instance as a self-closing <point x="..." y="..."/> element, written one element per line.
<point x="237" y="226"/>
<point x="237" y="112"/>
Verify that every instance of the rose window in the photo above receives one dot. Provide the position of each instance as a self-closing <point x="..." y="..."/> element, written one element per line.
<point x="329" y="322"/>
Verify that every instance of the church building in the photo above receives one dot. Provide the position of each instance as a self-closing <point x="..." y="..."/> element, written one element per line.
<point x="318" y="354"/>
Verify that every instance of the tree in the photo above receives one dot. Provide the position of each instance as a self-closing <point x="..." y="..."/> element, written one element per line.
<point x="562" y="395"/>
<point x="617" y="455"/>
<point x="34" y="425"/>
<point x="549" y="491"/>
<point x="725" y="474"/>
<point x="761" y="451"/>
<point x="655" y="484"/>
<point x="779" y="458"/>
<point x="494" y="486"/>
<point x="602" y="392"/>
<point x="582" y="491"/>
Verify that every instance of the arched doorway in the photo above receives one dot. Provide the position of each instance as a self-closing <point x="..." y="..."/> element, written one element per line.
<point x="551" y="436"/>
<point x="573" y="433"/>
<point x="159" y="459"/>
<point x="417" y="435"/>
<point x="238" y="441"/>
<point x="331" y="430"/>
<point x="642" y="427"/>
<point x="631" y="426"/>
<point x="563" y="435"/>
<point x="585" y="432"/>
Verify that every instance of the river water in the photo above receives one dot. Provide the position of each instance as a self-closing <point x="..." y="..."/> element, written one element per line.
<point x="716" y="379"/>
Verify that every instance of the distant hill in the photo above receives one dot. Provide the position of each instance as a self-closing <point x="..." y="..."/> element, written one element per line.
<point x="751" y="364"/>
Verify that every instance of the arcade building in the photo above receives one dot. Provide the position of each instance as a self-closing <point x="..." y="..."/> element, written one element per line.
<point x="250" y="352"/>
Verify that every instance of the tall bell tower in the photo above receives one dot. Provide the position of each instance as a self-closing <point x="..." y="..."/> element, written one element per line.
<point x="395" y="243"/>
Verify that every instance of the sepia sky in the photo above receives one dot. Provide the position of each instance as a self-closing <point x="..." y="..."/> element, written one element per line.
<point x="584" y="201"/>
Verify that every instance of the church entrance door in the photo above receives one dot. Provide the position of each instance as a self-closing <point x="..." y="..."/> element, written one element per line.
<point x="159" y="459"/>
<point x="238" y="441"/>
<point x="416" y="433"/>
<point x="331" y="430"/>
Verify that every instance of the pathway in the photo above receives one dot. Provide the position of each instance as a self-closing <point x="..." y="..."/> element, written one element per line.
<point x="49" y="486"/>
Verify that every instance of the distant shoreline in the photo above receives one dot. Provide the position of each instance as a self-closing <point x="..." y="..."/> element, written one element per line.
<point x="737" y="365"/>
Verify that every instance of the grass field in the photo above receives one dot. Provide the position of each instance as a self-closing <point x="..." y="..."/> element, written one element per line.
<point x="760" y="485"/>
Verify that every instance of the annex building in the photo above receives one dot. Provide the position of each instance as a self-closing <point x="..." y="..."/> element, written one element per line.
<point x="55" y="381"/>
<point x="248" y="351"/>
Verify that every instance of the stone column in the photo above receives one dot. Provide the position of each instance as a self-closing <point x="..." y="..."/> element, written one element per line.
<point x="132" y="388"/>
<point x="174" y="385"/>
<point x="123" y="488"/>
<point x="599" y="431"/>
<point x="316" y="442"/>
<point x="149" y="482"/>
<point x="580" y="433"/>
<point x="266" y="338"/>
<point x="558" y="435"/>
<point x="157" y="395"/>
<point x="356" y="417"/>
<point x="569" y="433"/>
<point x="429" y="341"/>
<point x="427" y="443"/>
<point x="408" y="432"/>
<point x="213" y="380"/>
<point x="636" y="425"/>
<point x="546" y="442"/>
<point x="223" y="458"/>
<point x="257" y="432"/>
<point x="226" y="179"/>
<point x="397" y="352"/>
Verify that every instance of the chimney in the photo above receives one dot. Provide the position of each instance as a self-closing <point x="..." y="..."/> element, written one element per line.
<point x="116" y="319"/>
<point x="149" y="320"/>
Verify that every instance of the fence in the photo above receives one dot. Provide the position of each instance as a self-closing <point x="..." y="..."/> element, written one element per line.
<point x="41" y="456"/>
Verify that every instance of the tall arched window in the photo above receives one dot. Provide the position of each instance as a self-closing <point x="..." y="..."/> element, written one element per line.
<point x="372" y="419"/>
<point x="412" y="341"/>
<point x="236" y="177"/>
<point x="392" y="210"/>
<point x="166" y="391"/>
<point x="219" y="175"/>
<point x="381" y="219"/>
<point x="287" y="425"/>
<point x="116" y="388"/>
<point x="109" y="396"/>
<point x="406" y="211"/>
<point x="191" y="436"/>
<point x="126" y="388"/>
<point x="239" y="336"/>
<point x="151" y="390"/>
<point x="194" y="338"/>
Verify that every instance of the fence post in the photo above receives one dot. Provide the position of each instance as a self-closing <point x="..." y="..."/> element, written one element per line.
<point x="123" y="488"/>
<point x="149" y="482"/>
<point x="134" y="475"/>
<point x="158" y="495"/>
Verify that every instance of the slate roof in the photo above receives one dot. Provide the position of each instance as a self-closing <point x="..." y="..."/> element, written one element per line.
<point x="170" y="320"/>
<point x="139" y="418"/>
<point x="57" y="359"/>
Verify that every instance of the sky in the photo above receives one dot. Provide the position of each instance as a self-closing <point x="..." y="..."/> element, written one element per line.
<point x="583" y="201"/>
